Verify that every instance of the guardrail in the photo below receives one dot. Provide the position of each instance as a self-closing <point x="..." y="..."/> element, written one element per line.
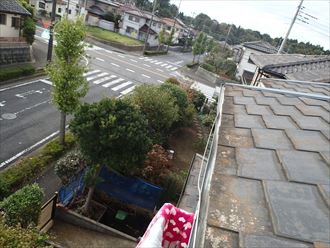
<point x="204" y="178"/>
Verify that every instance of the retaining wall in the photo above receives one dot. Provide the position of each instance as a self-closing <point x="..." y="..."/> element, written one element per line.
<point x="116" y="45"/>
<point x="11" y="53"/>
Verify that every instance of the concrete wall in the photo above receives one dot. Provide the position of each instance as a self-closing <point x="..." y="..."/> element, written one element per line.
<point x="107" y="25"/>
<point x="14" y="53"/>
<point x="84" y="222"/>
<point x="113" y="44"/>
<point x="132" y="24"/>
<point x="244" y="65"/>
<point x="7" y="30"/>
<point x="209" y="76"/>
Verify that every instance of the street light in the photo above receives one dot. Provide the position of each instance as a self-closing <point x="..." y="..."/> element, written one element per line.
<point x="152" y="18"/>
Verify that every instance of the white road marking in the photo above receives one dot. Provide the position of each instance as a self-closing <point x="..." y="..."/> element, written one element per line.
<point x="32" y="107"/>
<point x="174" y="68"/>
<point x="159" y="81"/>
<point x="159" y="70"/>
<point x="158" y="63"/>
<point x="142" y="58"/>
<point x="133" y="60"/>
<point x="46" y="81"/>
<point x="146" y="65"/>
<point x="122" y="56"/>
<point x="102" y="80"/>
<point x="97" y="76"/>
<point x="113" y="82"/>
<point x="129" y="70"/>
<point x="30" y="92"/>
<point x="145" y="76"/>
<point x="162" y="65"/>
<point x="107" y="51"/>
<point x="100" y="59"/>
<point x="115" y="64"/>
<point x="179" y="62"/>
<point x="148" y="59"/>
<point x="28" y="149"/>
<point x="168" y="67"/>
<point x="121" y="86"/>
<point x="128" y="90"/>
<point x="2" y="104"/>
<point x="19" y="85"/>
<point x="91" y="72"/>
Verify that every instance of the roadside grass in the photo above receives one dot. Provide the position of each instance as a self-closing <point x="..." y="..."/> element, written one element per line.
<point x="27" y="169"/>
<point x="112" y="36"/>
<point x="15" y="72"/>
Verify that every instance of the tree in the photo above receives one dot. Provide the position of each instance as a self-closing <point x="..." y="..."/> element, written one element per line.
<point x="210" y="45"/>
<point x="113" y="133"/>
<point x="197" y="45"/>
<point x="23" y="207"/>
<point x="202" y="46"/>
<point x="160" y="109"/>
<point x="29" y="30"/>
<point x="161" y="38"/>
<point x="66" y="72"/>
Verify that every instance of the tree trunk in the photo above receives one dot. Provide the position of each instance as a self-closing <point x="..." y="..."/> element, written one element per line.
<point x="62" y="128"/>
<point x="194" y="58"/>
<point x="89" y="198"/>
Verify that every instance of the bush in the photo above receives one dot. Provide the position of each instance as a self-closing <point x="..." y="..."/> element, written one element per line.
<point x="173" y="183"/>
<point x="208" y="67"/>
<point x="28" y="168"/>
<point x="207" y="120"/>
<point x="192" y="65"/>
<point x="154" y="53"/>
<point x="29" y="30"/>
<point x="70" y="165"/>
<point x="196" y="97"/>
<point x="18" y="237"/>
<point x="15" y="72"/>
<point x="172" y="80"/>
<point x="23" y="207"/>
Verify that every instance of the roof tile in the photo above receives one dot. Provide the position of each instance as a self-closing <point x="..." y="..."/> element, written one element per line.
<point x="278" y="122"/>
<point x="270" y="139"/>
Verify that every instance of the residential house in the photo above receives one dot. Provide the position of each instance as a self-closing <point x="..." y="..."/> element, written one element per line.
<point x="314" y="68"/>
<point x="69" y="8"/>
<point x="13" y="47"/>
<point x="265" y="179"/>
<point x="96" y="9"/>
<point x="136" y="23"/>
<point x="178" y="26"/>
<point x="245" y="68"/>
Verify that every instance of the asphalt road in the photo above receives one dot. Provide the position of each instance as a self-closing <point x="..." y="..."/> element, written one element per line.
<point x="28" y="119"/>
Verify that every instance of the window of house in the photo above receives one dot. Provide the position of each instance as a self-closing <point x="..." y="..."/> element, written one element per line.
<point x="15" y="22"/>
<point x="154" y="24"/>
<point x="133" y="18"/>
<point x="168" y="28"/>
<point x="3" y="19"/>
<point x="129" y="30"/>
<point x="159" y="25"/>
<point x="69" y="11"/>
<point x="59" y="10"/>
<point x="42" y="5"/>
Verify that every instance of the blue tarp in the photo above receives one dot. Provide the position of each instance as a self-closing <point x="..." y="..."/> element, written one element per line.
<point x="129" y="189"/>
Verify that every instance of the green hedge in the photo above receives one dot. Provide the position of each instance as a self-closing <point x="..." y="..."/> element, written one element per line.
<point x="25" y="171"/>
<point x="15" y="72"/>
<point x="154" y="53"/>
<point x="208" y="67"/>
<point x="192" y="65"/>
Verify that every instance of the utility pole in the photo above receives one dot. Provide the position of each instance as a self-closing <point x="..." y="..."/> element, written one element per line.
<point x="148" y="33"/>
<point x="228" y="35"/>
<point x="287" y="34"/>
<point x="51" y="33"/>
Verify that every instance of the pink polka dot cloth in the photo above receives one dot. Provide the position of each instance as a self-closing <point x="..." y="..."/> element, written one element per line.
<point x="170" y="228"/>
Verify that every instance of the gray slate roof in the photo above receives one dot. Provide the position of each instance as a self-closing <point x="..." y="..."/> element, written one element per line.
<point x="13" y="7"/>
<point x="314" y="68"/>
<point x="271" y="181"/>
<point x="261" y="46"/>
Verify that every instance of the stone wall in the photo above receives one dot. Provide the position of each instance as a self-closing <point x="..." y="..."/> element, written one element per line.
<point x="91" y="39"/>
<point x="209" y="76"/>
<point x="15" y="52"/>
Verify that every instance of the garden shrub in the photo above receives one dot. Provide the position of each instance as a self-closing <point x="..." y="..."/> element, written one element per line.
<point x="208" y="67"/>
<point x="172" y="80"/>
<point x="196" y="97"/>
<point x="19" y="237"/>
<point x="24" y="171"/>
<point x="23" y="207"/>
<point x="70" y="165"/>
<point x="15" y="72"/>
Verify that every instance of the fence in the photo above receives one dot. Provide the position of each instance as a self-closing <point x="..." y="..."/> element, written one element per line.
<point x="47" y="213"/>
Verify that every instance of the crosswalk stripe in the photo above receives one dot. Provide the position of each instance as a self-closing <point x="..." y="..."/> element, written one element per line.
<point x="169" y="66"/>
<point x="102" y="80"/>
<point x="162" y="65"/>
<point x="154" y="61"/>
<point x="142" y="58"/>
<point x="91" y="72"/>
<point x="97" y="76"/>
<point x="128" y="90"/>
<point x="158" y="63"/>
<point x="121" y="86"/>
<point x="174" y="68"/>
<point x="113" y="82"/>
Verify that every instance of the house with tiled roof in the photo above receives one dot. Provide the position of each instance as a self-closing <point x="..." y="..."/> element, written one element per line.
<point x="245" y="68"/>
<point x="13" y="47"/>
<point x="178" y="27"/>
<point x="314" y="68"/>
<point x="264" y="180"/>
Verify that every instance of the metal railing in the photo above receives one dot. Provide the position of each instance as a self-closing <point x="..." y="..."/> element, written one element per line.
<point x="204" y="178"/>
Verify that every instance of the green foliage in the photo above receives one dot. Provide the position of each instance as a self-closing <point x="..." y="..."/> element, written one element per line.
<point x="210" y="45"/>
<point x="160" y="108"/>
<point x="23" y="207"/>
<point x="19" y="237"/>
<point x="180" y="95"/>
<point x="66" y="71"/>
<point x="197" y="98"/>
<point x="68" y="166"/>
<point x="207" y="120"/>
<point x="162" y="37"/>
<point x="112" y="132"/>
<point x="208" y="67"/>
<point x="192" y="65"/>
<point x="172" y="80"/>
<point x="154" y="53"/>
<point x="109" y="16"/>
<point x="198" y="45"/>
<point x="173" y="183"/>
<point x="29" y="30"/>
<point x="15" y="72"/>
<point x="26" y="170"/>
<point x="27" y="6"/>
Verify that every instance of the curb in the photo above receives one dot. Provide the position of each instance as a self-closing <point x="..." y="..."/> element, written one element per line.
<point x="25" y="78"/>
